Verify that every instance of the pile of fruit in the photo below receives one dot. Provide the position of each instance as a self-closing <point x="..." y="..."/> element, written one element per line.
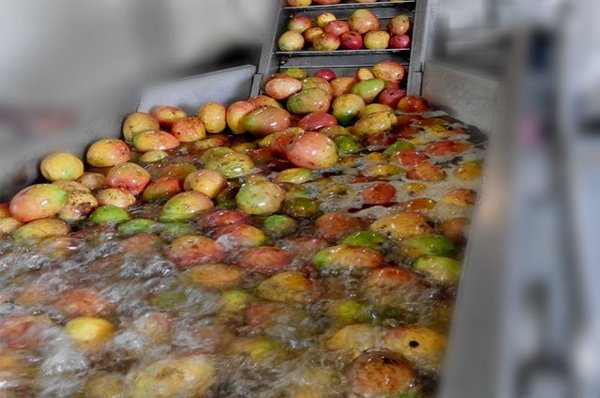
<point x="303" y="243"/>
<point x="361" y="30"/>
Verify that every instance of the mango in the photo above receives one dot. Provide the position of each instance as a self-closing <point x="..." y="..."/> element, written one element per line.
<point x="214" y="117"/>
<point x="79" y="206"/>
<point x="402" y="225"/>
<point x="348" y="144"/>
<point x="353" y="340"/>
<point x="192" y="250"/>
<point x="317" y="82"/>
<point x="162" y="189"/>
<point x="281" y="88"/>
<point x="343" y="85"/>
<point x="167" y="115"/>
<point x="442" y="270"/>
<point x="260" y="198"/>
<point x="129" y="176"/>
<point x="290" y="286"/>
<point x="38" y="201"/>
<point x="208" y="182"/>
<point x="296" y="175"/>
<point x="89" y="331"/>
<point x="296" y="73"/>
<point x="189" y="129"/>
<point x="301" y="207"/>
<point x="8" y="225"/>
<point x="93" y="181"/>
<point x="232" y="165"/>
<point x="309" y="101"/>
<point x="371" y="240"/>
<point x="389" y="71"/>
<point x="312" y="150"/>
<point x="381" y="374"/>
<point x="399" y="146"/>
<point x="214" y="276"/>
<point x="185" y="206"/>
<point x="41" y="229"/>
<point x="368" y="90"/>
<point x="316" y="121"/>
<point x="375" y="107"/>
<point x="257" y="348"/>
<point x="138" y="122"/>
<point x="147" y="141"/>
<point x="427" y="245"/>
<point x="264" y="100"/>
<point x="345" y="257"/>
<point x="107" y="153"/>
<point x="189" y="376"/>
<point x="266" y="120"/>
<point x="279" y="226"/>
<point x="347" y="107"/>
<point x="115" y="197"/>
<point x="468" y="171"/>
<point x="109" y="215"/>
<point x="235" y="300"/>
<point x="420" y="345"/>
<point x="236" y="114"/>
<point x="374" y="123"/>
<point x="61" y="166"/>
<point x="241" y="234"/>
<point x="137" y="226"/>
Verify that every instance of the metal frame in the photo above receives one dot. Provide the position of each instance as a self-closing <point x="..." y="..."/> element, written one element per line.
<point x="346" y="62"/>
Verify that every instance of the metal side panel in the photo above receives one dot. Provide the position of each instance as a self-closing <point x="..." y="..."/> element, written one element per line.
<point x="224" y="86"/>
<point x="469" y="97"/>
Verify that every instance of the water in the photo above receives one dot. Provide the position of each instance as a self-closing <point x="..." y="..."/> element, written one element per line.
<point x="271" y="350"/>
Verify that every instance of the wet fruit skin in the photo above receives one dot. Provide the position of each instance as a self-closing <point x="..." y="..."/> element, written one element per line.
<point x="260" y="198"/>
<point x="214" y="276"/>
<point x="38" y="201"/>
<point x="191" y="250"/>
<point x="138" y="122"/>
<point x="402" y="225"/>
<point x="61" y="166"/>
<point x="379" y="374"/>
<point x="130" y="177"/>
<point x="178" y="377"/>
<point x="265" y="260"/>
<point x="185" y="206"/>
<point x="89" y="331"/>
<point x="41" y="229"/>
<point x="291" y="286"/>
<point x="379" y="194"/>
<point x="334" y="226"/>
<point x="107" y="153"/>
<point x="266" y="120"/>
<point x="312" y="150"/>
<point x="347" y="257"/>
<point x="214" y="117"/>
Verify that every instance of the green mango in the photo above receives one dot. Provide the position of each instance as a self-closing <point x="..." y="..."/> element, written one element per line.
<point x="442" y="270"/>
<point x="368" y="90"/>
<point x="427" y="245"/>
<point x="109" y="215"/>
<point x="232" y="165"/>
<point x="309" y="101"/>
<point x="347" y="107"/>
<point x="348" y="144"/>
<point x="399" y="146"/>
<point x="279" y="226"/>
<point x="369" y="239"/>
<point x="301" y="207"/>
<point x="137" y="226"/>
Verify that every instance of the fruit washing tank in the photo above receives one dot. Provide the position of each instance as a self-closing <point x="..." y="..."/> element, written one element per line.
<point x="478" y="335"/>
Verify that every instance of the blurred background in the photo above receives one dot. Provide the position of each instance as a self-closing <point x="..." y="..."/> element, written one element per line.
<point x="72" y="67"/>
